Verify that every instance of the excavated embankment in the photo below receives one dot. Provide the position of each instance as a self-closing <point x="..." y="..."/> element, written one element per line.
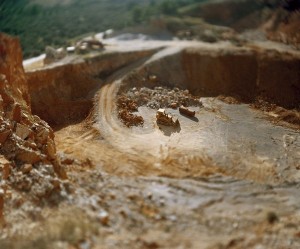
<point x="64" y="94"/>
<point x="242" y="73"/>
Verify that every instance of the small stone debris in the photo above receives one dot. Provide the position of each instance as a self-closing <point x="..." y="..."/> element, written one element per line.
<point x="50" y="149"/>
<point x="162" y="97"/>
<point x="156" y="98"/>
<point x="104" y="218"/>
<point x="130" y="119"/>
<point x="67" y="160"/>
<point x="27" y="155"/>
<point x="272" y="217"/>
<point x="126" y="108"/>
<point x="153" y="77"/>
<point x="5" y="167"/>
<point x="174" y="105"/>
<point x="126" y="103"/>
<point x="53" y="55"/>
<point x="16" y="113"/>
<point x="185" y="111"/>
<point x="4" y="135"/>
<point x="22" y="131"/>
<point x="26" y="168"/>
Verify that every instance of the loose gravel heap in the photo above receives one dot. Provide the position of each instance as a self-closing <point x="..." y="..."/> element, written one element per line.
<point x="162" y="97"/>
<point x="126" y="108"/>
<point x="158" y="97"/>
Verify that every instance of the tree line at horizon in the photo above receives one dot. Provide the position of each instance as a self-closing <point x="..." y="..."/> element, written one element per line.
<point x="39" y="26"/>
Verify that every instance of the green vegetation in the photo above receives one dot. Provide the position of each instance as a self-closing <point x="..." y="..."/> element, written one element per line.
<point x="39" y="25"/>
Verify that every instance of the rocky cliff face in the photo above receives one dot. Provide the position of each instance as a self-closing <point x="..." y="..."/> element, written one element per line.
<point x="26" y="141"/>
<point x="12" y="78"/>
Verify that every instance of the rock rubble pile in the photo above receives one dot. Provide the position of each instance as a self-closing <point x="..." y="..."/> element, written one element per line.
<point x="27" y="148"/>
<point x="162" y="97"/>
<point x="126" y="108"/>
<point x="156" y="98"/>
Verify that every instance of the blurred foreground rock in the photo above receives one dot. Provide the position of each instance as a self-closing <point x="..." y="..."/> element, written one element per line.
<point x="25" y="139"/>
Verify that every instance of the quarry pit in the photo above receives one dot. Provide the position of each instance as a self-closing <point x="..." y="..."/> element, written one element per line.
<point x="231" y="173"/>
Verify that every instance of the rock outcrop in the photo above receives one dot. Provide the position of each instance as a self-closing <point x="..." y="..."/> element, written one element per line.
<point x="24" y="138"/>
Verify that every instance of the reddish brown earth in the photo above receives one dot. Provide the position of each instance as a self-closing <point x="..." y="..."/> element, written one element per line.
<point x="26" y="140"/>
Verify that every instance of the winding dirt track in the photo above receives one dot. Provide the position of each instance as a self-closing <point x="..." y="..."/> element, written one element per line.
<point x="143" y="142"/>
<point x="226" y="133"/>
<point x="111" y="128"/>
<point x="113" y="131"/>
<point x="148" y="152"/>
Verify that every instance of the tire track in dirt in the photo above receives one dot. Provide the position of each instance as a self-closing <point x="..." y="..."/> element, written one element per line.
<point x="111" y="129"/>
<point x="189" y="152"/>
<point x="148" y="153"/>
<point x="150" y="144"/>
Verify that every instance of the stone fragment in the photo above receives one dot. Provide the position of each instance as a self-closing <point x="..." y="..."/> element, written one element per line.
<point x="104" y="218"/>
<point x="5" y="165"/>
<point x="31" y="144"/>
<point x="26" y="168"/>
<point x="53" y="55"/>
<point x="185" y="111"/>
<point x="4" y="134"/>
<point x="67" y="160"/>
<point x="153" y="78"/>
<point x="22" y="131"/>
<point x="16" y="113"/>
<point x="42" y="135"/>
<point x="56" y="184"/>
<point x="174" y="105"/>
<point x="7" y="98"/>
<point x="27" y="155"/>
<point x="59" y="170"/>
<point x="24" y="137"/>
<point x="25" y="120"/>
<point x="50" y="149"/>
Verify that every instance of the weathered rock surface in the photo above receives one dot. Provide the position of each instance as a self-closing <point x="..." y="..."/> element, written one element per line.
<point x="24" y="138"/>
